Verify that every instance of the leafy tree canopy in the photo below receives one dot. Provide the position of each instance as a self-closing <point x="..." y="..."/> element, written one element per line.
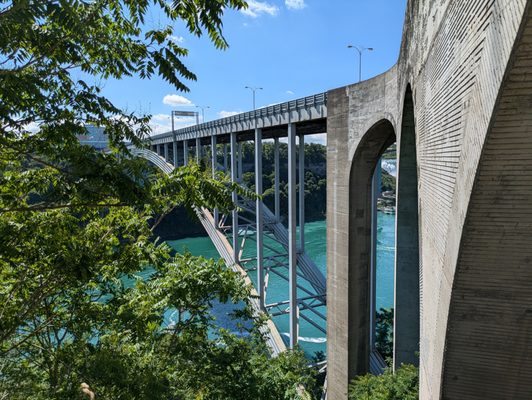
<point x="403" y="385"/>
<point x="77" y="304"/>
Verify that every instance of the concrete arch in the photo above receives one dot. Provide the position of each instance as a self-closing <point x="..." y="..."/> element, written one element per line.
<point x="369" y="150"/>
<point x="371" y="122"/>
<point x="488" y="343"/>
<point x="407" y="267"/>
<point x="469" y="65"/>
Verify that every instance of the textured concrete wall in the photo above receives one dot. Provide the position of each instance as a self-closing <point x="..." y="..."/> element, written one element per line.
<point x="469" y="65"/>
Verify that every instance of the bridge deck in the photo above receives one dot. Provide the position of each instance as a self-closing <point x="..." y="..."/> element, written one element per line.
<point x="309" y="113"/>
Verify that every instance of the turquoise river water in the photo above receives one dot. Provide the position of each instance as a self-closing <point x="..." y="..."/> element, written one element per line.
<point x="311" y="339"/>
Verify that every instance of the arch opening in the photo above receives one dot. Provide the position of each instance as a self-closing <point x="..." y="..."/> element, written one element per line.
<point x="362" y="246"/>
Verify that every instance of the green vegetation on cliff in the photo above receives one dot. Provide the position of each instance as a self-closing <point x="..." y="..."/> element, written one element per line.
<point x="384" y="333"/>
<point x="315" y="177"/>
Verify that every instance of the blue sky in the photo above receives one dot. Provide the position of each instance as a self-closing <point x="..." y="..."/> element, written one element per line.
<point x="291" y="48"/>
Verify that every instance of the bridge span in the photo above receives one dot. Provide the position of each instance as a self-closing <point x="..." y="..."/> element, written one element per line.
<point x="458" y="103"/>
<point x="277" y="251"/>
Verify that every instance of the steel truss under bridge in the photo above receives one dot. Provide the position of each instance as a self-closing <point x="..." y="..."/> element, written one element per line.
<point x="253" y="241"/>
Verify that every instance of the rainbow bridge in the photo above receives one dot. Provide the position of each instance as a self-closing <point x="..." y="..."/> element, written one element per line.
<point x="458" y="104"/>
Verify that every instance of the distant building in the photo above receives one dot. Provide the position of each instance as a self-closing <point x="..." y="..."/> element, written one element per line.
<point x="95" y="137"/>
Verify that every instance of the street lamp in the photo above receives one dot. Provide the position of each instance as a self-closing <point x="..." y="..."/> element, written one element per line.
<point x="360" y="50"/>
<point x="253" y="89"/>
<point x="202" y="112"/>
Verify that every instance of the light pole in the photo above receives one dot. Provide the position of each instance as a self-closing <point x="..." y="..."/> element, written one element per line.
<point x="360" y="50"/>
<point x="253" y="89"/>
<point x="202" y="112"/>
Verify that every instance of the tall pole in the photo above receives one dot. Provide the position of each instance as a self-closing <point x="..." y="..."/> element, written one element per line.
<point x="259" y="212"/>
<point x="359" y="65"/>
<point x="292" y="251"/>
<point x="360" y="50"/>
<point x="202" y="112"/>
<point x="253" y="89"/>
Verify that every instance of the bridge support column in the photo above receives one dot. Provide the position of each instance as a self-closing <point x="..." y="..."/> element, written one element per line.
<point x="375" y="193"/>
<point x="198" y="150"/>
<point x="214" y="166"/>
<point x="259" y="213"/>
<point x="225" y="157"/>
<point x="239" y="162"/>
<point x="292" y="251"/>
<point x="301" y="193"/>
<point x="276" y="179"/>
<point x="174" y="144"/>
<point x="185" y="152"/>
<point x="160" y="150"/>
<point x="407" y="274"/>
<point x="165" y="152"/>
<point x="236" y="244"/>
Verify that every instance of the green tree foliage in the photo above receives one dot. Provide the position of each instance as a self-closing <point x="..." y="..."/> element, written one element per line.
<point x="315" y="177"/>
<point x="388" y="181"/>
<point x="384" y="333"/>
<point x="77" y="304"/>
<point x="403" y="385"/>
<point x="391" y="152"/>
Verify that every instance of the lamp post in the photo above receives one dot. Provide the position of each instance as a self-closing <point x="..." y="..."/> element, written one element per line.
<point x="360" y="50"/>
<point x="253" y="89"/>
<point x="202" y="112"/>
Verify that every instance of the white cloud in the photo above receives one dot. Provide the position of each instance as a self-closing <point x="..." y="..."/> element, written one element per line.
<point x="32" y="127"/>
<point x="159" y="128"/>
<point x="224" y="114"/>
<point x="160" y="117"/>
<point x="177" y="39"/>
<point x="289" y="92"/>
<point x="320" y="138"/>
<point x="295" y="4"/>
<point x="161" y="123"/>
<point x="257" y="8"/>
<point x="176" y="100"/>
